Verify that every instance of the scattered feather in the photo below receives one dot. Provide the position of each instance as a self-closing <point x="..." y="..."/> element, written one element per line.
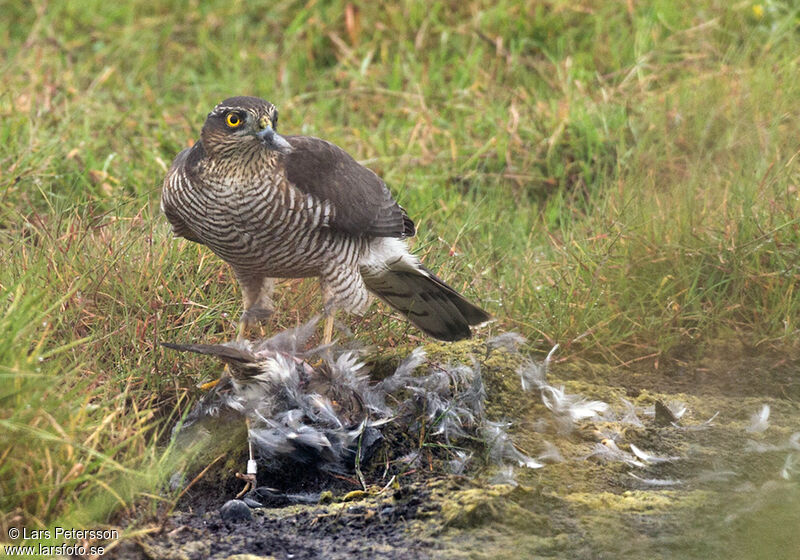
<point x="551" y="454"/>
<point x="532" y="375"/>
<point x="702" y="426"/>
<point x="458" y="465"/>
<point x="330" y="413"/>
<point x="630" y="416"/>
<point x="567" y="408"/>
<point x="320" y="409"/>
<point x="649" y="458"/>
<point x="504" y="475"/>
<point x="549" y="357"/>
<point x="608" y="451"/>
<point x="574" y="407"/>
<point x="677" y="408"/>
<point x="759" y="421"/>
<point x="790" y="466"/>
<point x="501" y="448"/>
<point x="509" y="341"/>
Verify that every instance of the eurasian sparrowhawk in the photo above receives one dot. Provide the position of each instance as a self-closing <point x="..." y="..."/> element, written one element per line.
<point x="298" y="206"/>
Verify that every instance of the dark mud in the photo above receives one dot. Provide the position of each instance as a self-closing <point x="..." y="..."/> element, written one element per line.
<point x="370" y="527"/>
<point x="727" y="489"/>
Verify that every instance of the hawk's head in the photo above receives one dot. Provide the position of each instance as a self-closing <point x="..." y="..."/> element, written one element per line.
<point x="240" y="124"/>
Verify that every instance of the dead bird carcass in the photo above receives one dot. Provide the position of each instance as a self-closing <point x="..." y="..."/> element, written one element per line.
<point x="318" y="408"/>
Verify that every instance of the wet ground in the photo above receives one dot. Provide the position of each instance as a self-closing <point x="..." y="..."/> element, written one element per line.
<point x="684" y="461"/>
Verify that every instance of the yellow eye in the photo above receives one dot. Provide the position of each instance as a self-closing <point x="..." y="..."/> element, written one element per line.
<point x="233" y="120"/>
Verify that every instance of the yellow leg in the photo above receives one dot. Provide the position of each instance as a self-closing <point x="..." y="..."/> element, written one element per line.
<point x="327" y="336"/>
<point x="210" y="385"/>
<point x="241" y="334"/>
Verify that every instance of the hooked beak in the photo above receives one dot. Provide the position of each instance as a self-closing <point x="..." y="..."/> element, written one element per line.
<point x="272" y="139"/>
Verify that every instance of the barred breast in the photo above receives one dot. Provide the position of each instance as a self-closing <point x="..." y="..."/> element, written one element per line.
<point x="260" y="225"/>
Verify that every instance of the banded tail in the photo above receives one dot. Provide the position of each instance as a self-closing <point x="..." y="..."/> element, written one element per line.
<point x="431" y="305"/>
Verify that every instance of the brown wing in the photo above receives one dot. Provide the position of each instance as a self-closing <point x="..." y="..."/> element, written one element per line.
<point x="362" y="203"/>
<point x="177" y="179"/>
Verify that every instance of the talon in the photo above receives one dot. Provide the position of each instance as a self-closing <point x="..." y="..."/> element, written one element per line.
<point x="249" y="483"/>
<point x="209" y="385"/>
<point x="255" y="316"/>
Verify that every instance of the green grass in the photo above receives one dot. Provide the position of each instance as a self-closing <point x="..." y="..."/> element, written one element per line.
<point x="621" y="178"/>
